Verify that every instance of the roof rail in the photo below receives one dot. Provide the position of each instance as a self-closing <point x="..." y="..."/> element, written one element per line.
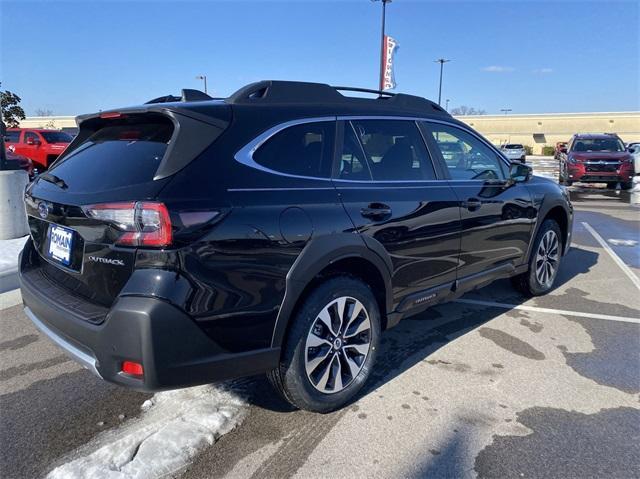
<point x="186" y="95"/>
<point x="282" y="92"/>
<point x="363" y="90"/>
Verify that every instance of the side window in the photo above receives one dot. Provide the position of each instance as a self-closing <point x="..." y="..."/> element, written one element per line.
<point x="303" y="150"/>
<point x="467" y="157"/>
<point x="12" y="136"/>
<point x="394" y="150"/>
<point x="353" y="165"/>
<point x="32" y="135"/>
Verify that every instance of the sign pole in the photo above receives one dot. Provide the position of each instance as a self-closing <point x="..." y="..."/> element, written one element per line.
<point x="384" y="8"/>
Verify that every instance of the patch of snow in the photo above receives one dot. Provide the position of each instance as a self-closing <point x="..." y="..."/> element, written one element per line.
<point x="9" y="251"/>
<point x="173" y="428"/>
<point x="622" y="242"/>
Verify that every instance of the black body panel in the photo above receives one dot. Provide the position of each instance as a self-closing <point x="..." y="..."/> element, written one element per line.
<point x="248" y="244"/>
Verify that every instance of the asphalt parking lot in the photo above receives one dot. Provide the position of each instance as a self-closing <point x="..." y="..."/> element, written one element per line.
<point x="492" y="385"/>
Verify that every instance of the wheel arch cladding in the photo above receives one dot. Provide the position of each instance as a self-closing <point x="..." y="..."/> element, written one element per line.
<point x="327" y="256"/>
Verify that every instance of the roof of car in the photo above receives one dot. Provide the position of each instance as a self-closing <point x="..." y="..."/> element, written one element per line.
<point x="314" y="98"/>
<point x="39" y="130"/>
<point x="595" y="135"/>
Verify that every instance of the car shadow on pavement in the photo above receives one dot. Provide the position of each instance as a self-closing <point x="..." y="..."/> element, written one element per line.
<point x="418" y="337"/>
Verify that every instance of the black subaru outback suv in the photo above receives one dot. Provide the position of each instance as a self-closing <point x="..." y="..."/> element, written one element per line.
<point x="279" y="230"/>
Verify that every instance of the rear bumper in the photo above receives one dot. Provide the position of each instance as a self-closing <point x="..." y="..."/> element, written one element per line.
<point x="173" y="350"/>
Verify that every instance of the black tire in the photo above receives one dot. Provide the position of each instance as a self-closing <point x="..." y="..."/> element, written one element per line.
<point x="611" y="185"/>
<point x="528" y="283"/>
<point x="290" y="379"/>
<point x="626" y="186"/>
<point x="523" y="159"/>
<point x="564" y="182"/>
<point x="563" y="179"/>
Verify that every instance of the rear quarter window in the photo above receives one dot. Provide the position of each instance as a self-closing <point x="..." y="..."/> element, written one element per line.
<point x="12" y="136"/>
<point x="301" y="150"/>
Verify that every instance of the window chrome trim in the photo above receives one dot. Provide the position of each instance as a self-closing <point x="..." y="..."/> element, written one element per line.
<point x="245" y="154"/>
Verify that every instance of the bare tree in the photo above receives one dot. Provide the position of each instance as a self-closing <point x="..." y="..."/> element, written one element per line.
<point x="44" y="112"/>
<point x="464" y="110"/>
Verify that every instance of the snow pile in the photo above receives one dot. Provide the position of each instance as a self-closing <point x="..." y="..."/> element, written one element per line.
<point x="9" y="251"/>
<point x="635" y="191"/>
<point x="173" y="428"/>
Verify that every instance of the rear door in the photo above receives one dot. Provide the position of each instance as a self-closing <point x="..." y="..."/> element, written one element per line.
<point x="388" y="185"/>
<point x="497" y="216"/>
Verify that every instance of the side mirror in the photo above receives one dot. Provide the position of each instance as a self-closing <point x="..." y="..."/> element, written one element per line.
<point x="563" y="150"/>
<point x="632" y="150"/>
<point x="519" y="172"/>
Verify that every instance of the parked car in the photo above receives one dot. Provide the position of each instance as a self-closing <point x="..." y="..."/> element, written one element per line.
<point x="40" y="146"/>
<point x="277" y="231"/>
<point x="514" y="151"/>
<point x="634" y="149"/>
<point x="561" y="147"/>
<point x="597" y="158"/>
<point x="18" y="162"/>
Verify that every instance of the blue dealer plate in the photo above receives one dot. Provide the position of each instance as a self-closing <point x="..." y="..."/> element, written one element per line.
<point x="60" y="244"/>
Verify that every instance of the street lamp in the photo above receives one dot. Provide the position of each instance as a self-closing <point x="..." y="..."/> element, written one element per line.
<point x="203" y="77"/>
<point x="441" y="61"/>
<point x="506" y="110"/>
<point x="384" y="10"/>
<point x="447" y="103"/>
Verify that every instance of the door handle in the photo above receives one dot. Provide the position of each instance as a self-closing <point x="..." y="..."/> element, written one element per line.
<point x="376" y="211"/>
<point x="472" y="204"/>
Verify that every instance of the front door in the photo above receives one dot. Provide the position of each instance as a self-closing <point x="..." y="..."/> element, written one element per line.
<point x="31" y="148"/>
<point x="386" y="180"/>
<point x="497" y="215"/>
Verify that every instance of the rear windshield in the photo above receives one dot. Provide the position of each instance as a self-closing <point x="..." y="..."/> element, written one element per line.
<point x="598" y="144"/>
<point x="122" y="152"/>
<point x="56" y="137"/>
<point x="513" y="146"/>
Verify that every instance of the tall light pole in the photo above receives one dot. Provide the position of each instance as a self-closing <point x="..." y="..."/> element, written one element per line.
<point x="384" y="11"/>
<point x="441" y="61"/>
<point x="505" y="110"/>
<point x="203" y="77"/>
<point x="447" y="103"/>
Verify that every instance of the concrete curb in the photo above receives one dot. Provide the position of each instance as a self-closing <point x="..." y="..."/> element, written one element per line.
<point x="10" y="299"/>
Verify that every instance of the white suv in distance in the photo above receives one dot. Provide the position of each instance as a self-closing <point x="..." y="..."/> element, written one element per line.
<point x="634" y="149"/>
<point x="514" y="151"/>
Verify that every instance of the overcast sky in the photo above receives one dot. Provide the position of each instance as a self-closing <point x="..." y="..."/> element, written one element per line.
<point x="536" y="56"/>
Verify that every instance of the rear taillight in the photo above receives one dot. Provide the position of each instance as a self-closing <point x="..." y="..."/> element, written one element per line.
<point x="144" y="223"/>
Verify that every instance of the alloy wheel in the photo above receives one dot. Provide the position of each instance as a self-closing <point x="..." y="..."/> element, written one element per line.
<point x="337" y="345"/>
<point x="547" y="259"/>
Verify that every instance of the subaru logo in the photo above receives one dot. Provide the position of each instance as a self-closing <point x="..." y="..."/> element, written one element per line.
<point x="43" y="210"/>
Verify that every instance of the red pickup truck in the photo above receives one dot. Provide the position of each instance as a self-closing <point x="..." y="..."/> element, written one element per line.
<point x="40" y="146"/>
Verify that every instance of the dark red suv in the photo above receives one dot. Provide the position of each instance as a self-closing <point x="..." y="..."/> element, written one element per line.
<point x="597" y="158"/>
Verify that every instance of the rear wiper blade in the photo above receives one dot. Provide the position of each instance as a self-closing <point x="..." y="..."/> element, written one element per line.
<point x="53" y="179"/>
